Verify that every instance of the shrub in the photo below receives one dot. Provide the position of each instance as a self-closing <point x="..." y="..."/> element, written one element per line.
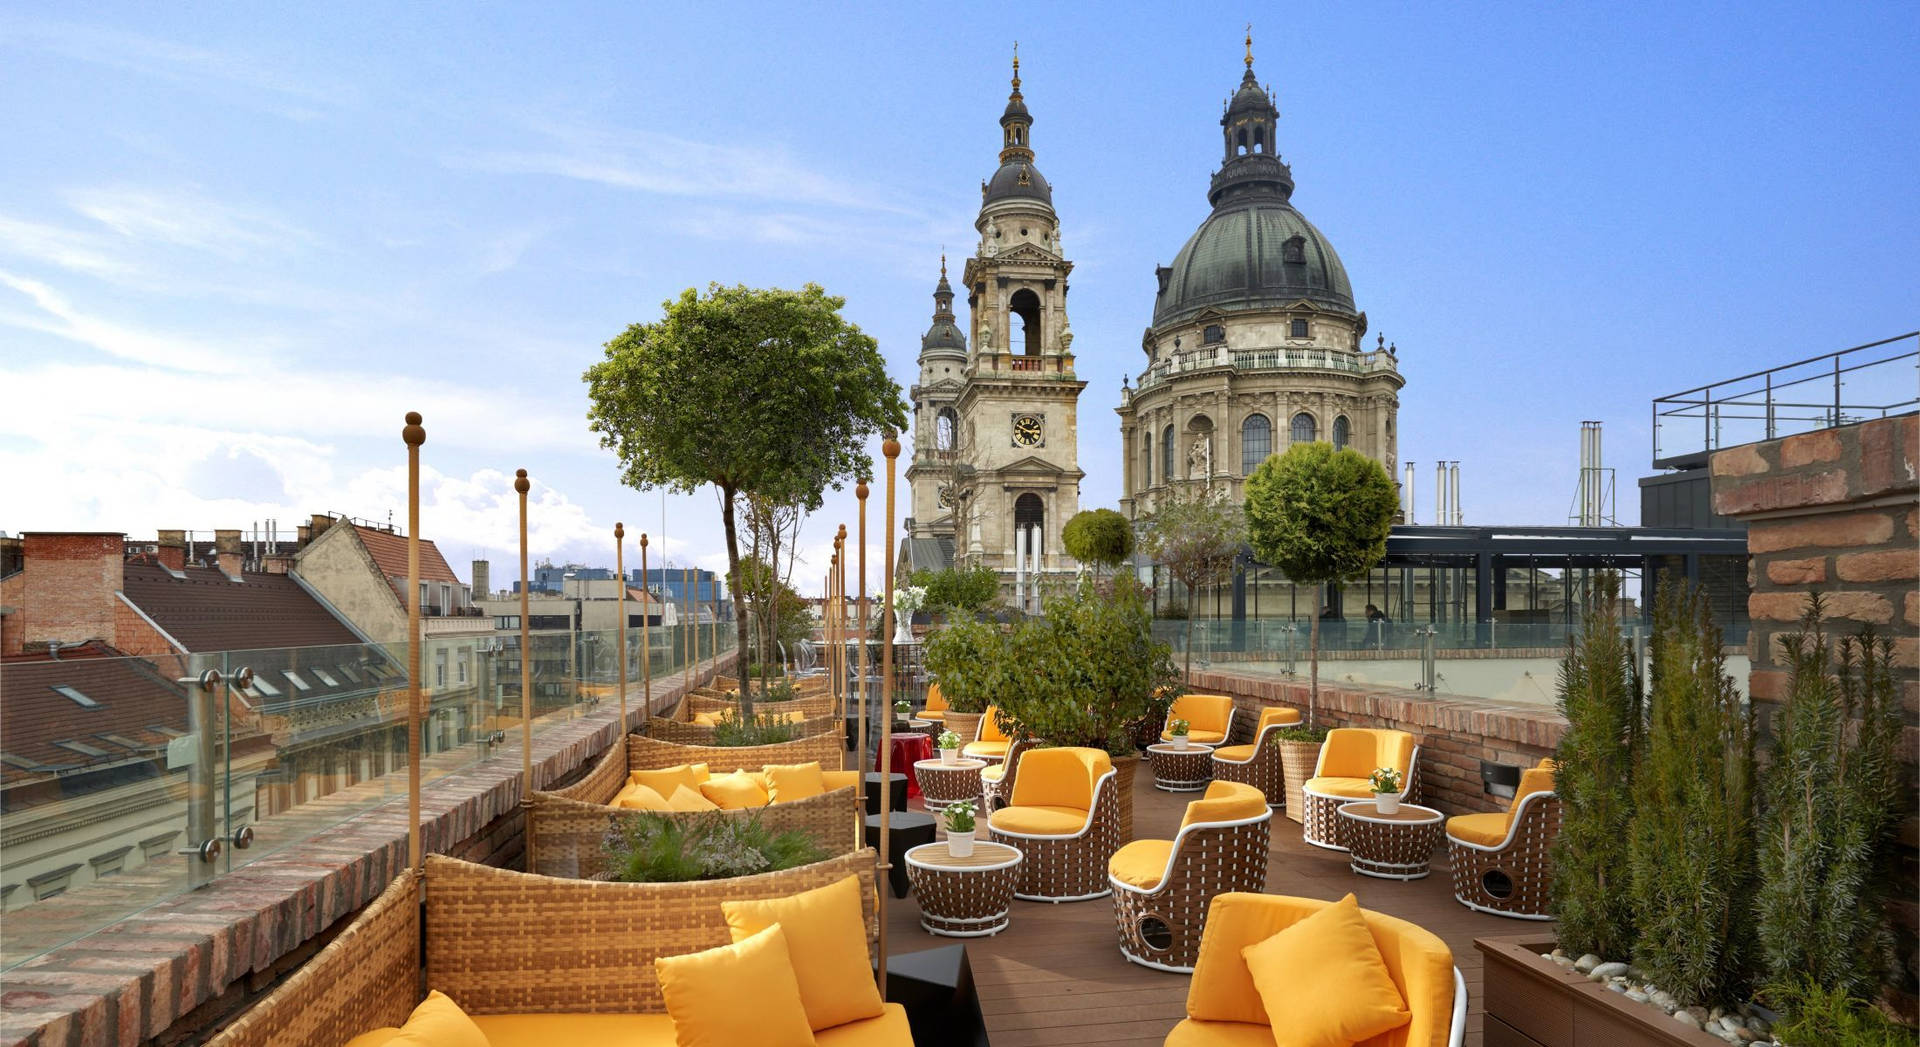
<point x="968" y="657"/>
<point x="959" y="589"/>
<point x="1831" y="1017"/>
<point x="654" y="848"/>
<point x="730" y="729"/>
<point x="1101" y="538"/>
<point x="780" y="690"/>
<point x="1086" y="671"/>
<point x="1602" y="700"/>
<point x="1691" y="857"/>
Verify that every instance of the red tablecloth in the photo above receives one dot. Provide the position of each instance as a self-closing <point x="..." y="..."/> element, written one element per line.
<point x="908" y="748"/>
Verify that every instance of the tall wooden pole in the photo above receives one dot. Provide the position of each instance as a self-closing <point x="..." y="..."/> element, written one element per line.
<point x="646" y="639"/>
<point x="686" y="635"/>
<point x="620" y="568"/>
<point x="414" y="435"/>
<point x="521" y="485"/>
<point x="890" y="448"/>
<point x="860" y="492"/>
<point x="834" y="662"/>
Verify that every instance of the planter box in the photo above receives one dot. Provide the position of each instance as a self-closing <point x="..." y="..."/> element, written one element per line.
<point x="1531" y="1002"/>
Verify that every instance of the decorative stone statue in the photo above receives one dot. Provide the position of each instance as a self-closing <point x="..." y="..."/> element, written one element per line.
<point x="985" y="344"/>
<point x="990" y="240"/>
<point x="1200" y="458"/>
<point x="1066" y="336"/>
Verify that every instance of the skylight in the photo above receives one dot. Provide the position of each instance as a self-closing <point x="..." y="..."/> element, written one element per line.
<point x="260" y="684"/>
<point x="79" y="699"/>
<point x="82" y="748"/>
<point x="347" y="671"/>
<point x="322" y="675"/>
<point x="294" y="679"/>
<point x="123" y="741"/>
<point x="20" y="762"/>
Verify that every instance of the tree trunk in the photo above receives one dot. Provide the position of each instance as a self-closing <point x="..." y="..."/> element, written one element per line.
<point x="1186" y="673"/>
<point x="733" y="575"/>
<point x="1313" y="655"/>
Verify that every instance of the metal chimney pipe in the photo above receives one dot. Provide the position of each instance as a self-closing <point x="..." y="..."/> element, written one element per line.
<point x="1409" y="494"/>
<point x="1440" y="493"/>
<point x="1599" y="481"/>
<point x="1453" y="490"/>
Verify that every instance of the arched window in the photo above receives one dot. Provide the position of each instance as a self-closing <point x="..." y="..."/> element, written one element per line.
<point x="1146" y="459"/>
<point x="1240" y="141"/>
<point x="1030" y="513"/>
<point x="946" y="429"/>
<point x="1340" y="428"/>
<point x="1303" y="428"/>
<point x="1256" y="442"/>
<point x="1166" y="454"/>
<point x="1294" y="250"/>
<point x="1026" y="305"/>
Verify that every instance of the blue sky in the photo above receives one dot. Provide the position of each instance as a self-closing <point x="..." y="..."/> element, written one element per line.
<point x="237" y="245"/>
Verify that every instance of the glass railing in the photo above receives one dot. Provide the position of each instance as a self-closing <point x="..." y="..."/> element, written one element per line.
<point x="125" y="781"/>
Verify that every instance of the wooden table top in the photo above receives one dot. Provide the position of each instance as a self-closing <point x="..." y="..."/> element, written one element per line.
<point x="984" y="856"/>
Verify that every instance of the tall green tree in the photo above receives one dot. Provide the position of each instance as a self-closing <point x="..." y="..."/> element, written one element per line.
<point x="1100" y="538"/>
<point x="1827" y="831"/>
<point x="1602" y="700"/>
<point x="759" y="392"/>
<point x="959" y="589"/>
<point x="1083" y="674"/>
<point x="1196" y="540"/>
<point x="1321" y="516"/>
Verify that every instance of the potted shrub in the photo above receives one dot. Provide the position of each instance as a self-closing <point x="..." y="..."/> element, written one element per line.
<point x="658" y="849"/>
<point x="968" y="656"/>
<point x="1387" y="787"/>
<point x="960" y="824"/>
<point x="1179" y="729"/>
<point x="949" y="746"/>
<point x="1299" y="755"/>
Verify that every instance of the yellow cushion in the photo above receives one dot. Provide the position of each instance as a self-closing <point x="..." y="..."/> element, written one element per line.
<point x="826" y="933"/>
<point x="936" y="702"/>
<point x="1352" y="788"/>
<point x="1353" y="752"/>
<point x="1192" y="1033"/>
<point x="551" y="1030"/>
<point x="935" y="715"/>
<point x="1487" y="830"/>
<point x="438" y="1022"/>
<point x="706" y="719"/>
<point x="1276" y="716"/>
<point x="685" y="799"/>
<point x="1207" y="714"/>
<point x="1195" y="734"/>
<point x="1063" y="777"/>
<point x="738" y="791"/>
<point x="666" y="779"/>
<point x="1328" y="958"/>
<point x="707" y="994"/>
<point x="890" y="1029"/>
<point x="1141" y="863"/>
<point x="995" y="749"/>
<point x="1236" y="753"/>
<point x="640" y="798"/>
<point x="1532" y="780"/>
<point x="990" y="727"/>
<point x="993" y="772"/>
<point x="1039" y="821"/>
<point x="794" y="781"/>
<point x="1226" y="802"/>
<point x="377" y="1038"/>
<point x="840" y="780"/>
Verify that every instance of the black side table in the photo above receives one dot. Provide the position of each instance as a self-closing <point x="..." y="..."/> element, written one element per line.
<point x="936" y="987"/>
<point x="897" y="790"/>
<point x="905" y="830"/>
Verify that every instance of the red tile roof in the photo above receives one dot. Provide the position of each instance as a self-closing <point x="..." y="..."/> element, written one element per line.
<point x="206" y="612"/>
<point x="134" y="711"/>
<point x="389" y="551"/>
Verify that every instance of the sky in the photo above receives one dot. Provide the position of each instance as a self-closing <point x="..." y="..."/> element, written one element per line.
<point x="237" y="245"/>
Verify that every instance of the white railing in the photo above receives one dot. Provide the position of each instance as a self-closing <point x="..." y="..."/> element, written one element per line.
<point x="1245" y="360"/>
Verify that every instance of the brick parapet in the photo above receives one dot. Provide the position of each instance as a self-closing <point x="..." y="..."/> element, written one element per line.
<point x="175" y="971"/>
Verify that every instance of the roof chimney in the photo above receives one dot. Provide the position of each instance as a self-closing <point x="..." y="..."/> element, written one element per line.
<point x="227" y="553"/>
<point x="482" y="579"/>
<point x="173" y="550"/>
<point x="69" y="581"/>
<point x="277" y="564"/>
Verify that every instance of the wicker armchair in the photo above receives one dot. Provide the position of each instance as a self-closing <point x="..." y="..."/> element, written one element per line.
<point x="1162" y="888"/>
<point x="1503" y="861"/>
<point x="1348" y="758"/>
<point x="810" y="706"/>
<point x="990" y="743"/>
<point x="996" y="779"/>
<point x="1065" y="821"/>
<point x="526" y="956"/>
<point x="686" y="728"/>
<point x="936" y="709"/>
<point x="1209" y="718"/>
<point x="1258" y="764"/>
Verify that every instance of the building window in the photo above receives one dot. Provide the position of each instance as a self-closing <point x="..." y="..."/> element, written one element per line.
<point x="945" y="429"/>
<point x="1303" y="428"/>
<point x="1146" y="459"/>
<point x="1166" y="454"/>
<point x="1030" y="514"/>
<point x="1213" y="335"/>
<point x="462" y="664"/>
<point x="1299" y="328"/>
<point x="1340" y="432"/>
<point x="1256" y="442"/>
<point x="506" y="621"/>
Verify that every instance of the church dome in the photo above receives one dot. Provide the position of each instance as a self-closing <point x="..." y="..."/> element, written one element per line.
<point x="1018" y="179"/>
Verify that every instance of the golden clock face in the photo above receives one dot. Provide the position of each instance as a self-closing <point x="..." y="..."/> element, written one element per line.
<point x="946" y="496"/>
<point x="1026" y="430"/>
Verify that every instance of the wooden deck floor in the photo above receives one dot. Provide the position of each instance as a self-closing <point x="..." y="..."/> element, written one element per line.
<point x="1056" y="975"/>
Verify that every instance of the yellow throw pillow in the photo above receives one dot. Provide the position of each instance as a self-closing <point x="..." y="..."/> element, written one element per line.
<point x="640" y="798"/>
<point x="1329" y="958"/>
<point x="734" y="792"/>
<point x="666" y="779"/>
<point x="685" y="799"/>
<point x="735" y="994"/>
<point x="827" y="936"/>
<point x="795" y="781"/>
<point x="438" y="1022"/>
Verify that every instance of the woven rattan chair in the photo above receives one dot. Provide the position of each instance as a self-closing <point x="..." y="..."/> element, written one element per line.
<point x="1209" y="718"/>
<point x="990" y="743"/>
<point x="1503" y="861"/>
<point x="515" y="949"/>
<point x="1162" y="888"/>
<point x="996" y="780"/>
<point x="810" y="706"/>
<point x="936" y="709"/>
<point x="651" y="754"/>
<point x="1064" y="819"/>
<point x="682" y="726"/>
<point x="1258" y="764"/>
<point x="1348" y="759"/>
<point x="1223" y="1007"/>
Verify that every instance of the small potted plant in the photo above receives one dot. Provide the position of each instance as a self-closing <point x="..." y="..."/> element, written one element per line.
<point x="902" y="711"/>
<point x="949" y="745"/>
<point x="1386" y="785"/>
<point x="1179" y="730"/>
<point x="959" y="818"/>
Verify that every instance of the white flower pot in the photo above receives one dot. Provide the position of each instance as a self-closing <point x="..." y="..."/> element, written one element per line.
<point x="960" y="845"/>
<point x="949" y="756"/>
<point x="1180" y="742"/>
<point x="1387" y="803"/>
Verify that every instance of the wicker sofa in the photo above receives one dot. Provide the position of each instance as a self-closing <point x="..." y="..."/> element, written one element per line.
<point x="533" y="959"/>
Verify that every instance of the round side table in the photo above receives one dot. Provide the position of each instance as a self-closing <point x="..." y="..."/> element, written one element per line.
<point x="945" y="783"/>
<point x="967" y="897"/>
<point x="1181" y="770"/>
<point x="1395" y="846"/>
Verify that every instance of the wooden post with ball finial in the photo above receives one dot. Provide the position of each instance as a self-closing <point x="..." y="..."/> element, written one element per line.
<point x="646" y="641"/>
<point x="522" y="486"/>
<point x="414" y="435"/>
<point x="860" y="492"/>
<point x="620" y="568"/>
<point x="890" y="448"/>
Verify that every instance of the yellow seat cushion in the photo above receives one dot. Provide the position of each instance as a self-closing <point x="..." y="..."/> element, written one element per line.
<point x="1487" y="830"/>
<point x="1236" y="753"/>
<point x="1207" y="714"/>
<point x="685" y="800"/>
<point x="705" y="993"/>
<point x="890" y="1029"/>
<point x="376" y="1038"/>
<point x="1354" y="752"/>
<point x="990" y="727"/>
<point x="1226" y="802"/>
<point x="840" y="779"/>
<point x="738" y="791"/>
<point x="1192" y="1033"/>
<point x="1039" y="821"/>
<point x="1197" y="735"/>
<point x="553" y="1030"/>
<point x="935" y="715"/>
<point x="826" y="934"/>
<point x="640" y="798"/>
<point x="1353" y="788"/>
<point x="998" y="750"/>
<point x="1064" y="777"/>
<point x="1141" y="863"/>
<point x="438" y="1022"/>
<point x="993" y="772"/>
<point x="1328" y="958"/>
<point x="794" y="781"/>
<point x="667" y="779"/>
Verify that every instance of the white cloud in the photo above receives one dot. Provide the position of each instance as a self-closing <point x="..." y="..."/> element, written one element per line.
<point x="69" y="249"/>
<point x="188" y="218"/>
<point x="55" y="315"/>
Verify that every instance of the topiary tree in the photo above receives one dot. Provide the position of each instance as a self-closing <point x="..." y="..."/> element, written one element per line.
<point x="967" y="589"/>
<point x="1602" y="700"/>
<point x="1101" y="538"/>
<point x="1321" y="516"/>
<point x="1830" y="814"/>
<point x="1197" y="540"/>
<point x="764" y="393"/>
<point x="1690" y="860"/>
<point x="969" y="658"/>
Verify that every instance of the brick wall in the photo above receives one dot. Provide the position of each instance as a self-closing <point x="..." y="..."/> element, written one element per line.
<point x="1454" y="733"/>
<point x="70" y="579"/>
